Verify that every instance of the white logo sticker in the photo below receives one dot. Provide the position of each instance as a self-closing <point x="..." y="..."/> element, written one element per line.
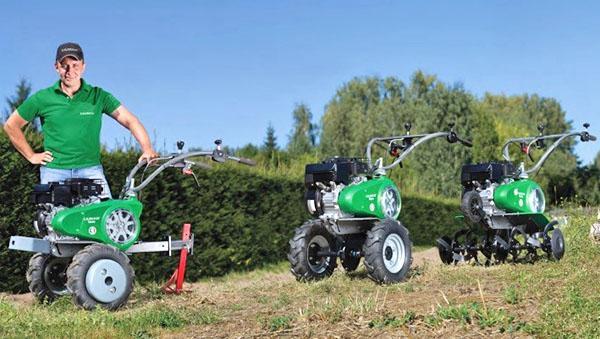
<point x="92" y="230"/>
<point x="372" y="207"/>
<point x="86" y="113"/>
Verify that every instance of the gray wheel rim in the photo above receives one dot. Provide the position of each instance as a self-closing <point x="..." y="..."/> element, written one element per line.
<point x="318" y="265"/>
<point x="106" y="280"/>
<point x="393" y="253"/>
<point x="121" y="226"/>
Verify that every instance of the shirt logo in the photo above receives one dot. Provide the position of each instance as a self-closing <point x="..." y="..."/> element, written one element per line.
<point x="86" y="113"/>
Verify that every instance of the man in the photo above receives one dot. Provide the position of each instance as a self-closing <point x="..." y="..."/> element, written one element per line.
<point x="71" y="115"/>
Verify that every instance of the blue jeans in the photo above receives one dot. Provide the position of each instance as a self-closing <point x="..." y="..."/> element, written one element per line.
<point x="95" y="172"/>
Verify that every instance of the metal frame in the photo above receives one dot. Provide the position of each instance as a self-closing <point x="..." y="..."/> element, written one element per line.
<point x="68" y="248"/>
<point x="129" y="189"/>
<point x="416" y="140"/>
<point x="530" y="141"/>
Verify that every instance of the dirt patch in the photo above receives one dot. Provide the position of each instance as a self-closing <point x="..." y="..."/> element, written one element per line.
<point x="428" y="256"/>
<point x="25" y="299"/>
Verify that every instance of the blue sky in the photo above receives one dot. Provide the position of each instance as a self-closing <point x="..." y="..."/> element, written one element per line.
<point x="200" y="70"/>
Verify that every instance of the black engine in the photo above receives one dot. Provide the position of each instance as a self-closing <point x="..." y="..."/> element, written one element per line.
<point x="67" y="194"/>
<point x="52" y="197"/>
<point x="493" y="171"/>
<point x="337" y="170"/>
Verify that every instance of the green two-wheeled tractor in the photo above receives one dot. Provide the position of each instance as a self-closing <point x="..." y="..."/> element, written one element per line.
<point x="505" y="208"/>
<point x="85" y="239"/>
<point x="356" y="209"/>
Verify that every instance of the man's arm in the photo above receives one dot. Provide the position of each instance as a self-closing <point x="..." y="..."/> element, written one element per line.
<point x="133" y="124"/>
<point x="13" y="128"/>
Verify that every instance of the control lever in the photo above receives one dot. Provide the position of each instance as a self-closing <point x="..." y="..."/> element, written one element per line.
<point x="218" y="154"/>
<point x="187" y="170"/>
<point x="585" y="135"/>
<point x="394" y="149"/>
<point x="180" y="144"/>
<point x="525" y="149"/>
<point x="452" y="137"/>
<point x="541" y="128"/>
<point x="540" y="142"/>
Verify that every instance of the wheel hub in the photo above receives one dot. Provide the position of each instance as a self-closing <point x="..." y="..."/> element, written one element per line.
<point x="318" y="263"/>
<point x="394" y="253"/>
<point x="106" y="280"/>
<point x="55" y="275"/>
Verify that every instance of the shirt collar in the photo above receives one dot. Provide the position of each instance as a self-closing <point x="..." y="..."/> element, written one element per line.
<point x="85" y="87"/>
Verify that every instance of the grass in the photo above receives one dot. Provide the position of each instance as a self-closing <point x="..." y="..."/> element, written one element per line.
<point x="61" y="319"/>
<point x="546" y="299"/>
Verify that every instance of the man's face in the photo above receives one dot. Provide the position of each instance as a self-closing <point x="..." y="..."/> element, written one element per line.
<point x="70" y="71"/>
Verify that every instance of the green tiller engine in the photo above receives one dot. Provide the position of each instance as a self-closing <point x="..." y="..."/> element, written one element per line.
<point x="356" y="209"/>
<point x="505" y="208"/>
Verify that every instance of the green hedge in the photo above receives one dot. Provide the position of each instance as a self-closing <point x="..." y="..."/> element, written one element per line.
<point x="241" y="219"/>
<point x="428" y="218"/>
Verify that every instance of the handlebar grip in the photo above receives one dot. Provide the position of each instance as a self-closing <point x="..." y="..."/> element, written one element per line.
<point x="592" y="137"/>
<point x="246" y="161"/>
<point x="466" y="143"/>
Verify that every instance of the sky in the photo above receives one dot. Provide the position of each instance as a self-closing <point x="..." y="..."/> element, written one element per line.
<point x="201" y="70"/>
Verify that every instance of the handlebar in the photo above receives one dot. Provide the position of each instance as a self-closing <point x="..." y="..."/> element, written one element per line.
<point x="467" y="143"/>
<point x="244" y="161"/>
<point x="402" y="146"/>
<point x="527" y="143"/>
<point x="176" y="160"/>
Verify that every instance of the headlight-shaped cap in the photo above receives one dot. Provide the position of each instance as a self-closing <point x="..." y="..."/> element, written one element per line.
<point x="536" y="200"/>
<point x="390" y="202"/>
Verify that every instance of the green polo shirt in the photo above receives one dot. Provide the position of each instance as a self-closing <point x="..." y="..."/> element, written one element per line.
<point x="71" y="126"/>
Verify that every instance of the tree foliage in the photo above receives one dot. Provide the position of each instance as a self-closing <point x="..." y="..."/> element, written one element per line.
<point x="23" y="90"/>
<point x="304" y="133"/>
<point x="367" y="107"/>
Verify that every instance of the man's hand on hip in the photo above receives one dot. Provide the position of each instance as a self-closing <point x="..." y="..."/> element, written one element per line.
<point x="41" y="158"/>
<point x="148" y="155"/>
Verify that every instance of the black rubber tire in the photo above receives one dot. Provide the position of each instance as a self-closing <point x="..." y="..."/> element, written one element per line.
<point x="46" y="276"/>
<point x="471" y="206"/>
<point x="557" y="244"/>
<point x="373" y="250"/>
<point x="78" y="270"/>
<point x="303" y="267"/>
<point x="446" y="255"/>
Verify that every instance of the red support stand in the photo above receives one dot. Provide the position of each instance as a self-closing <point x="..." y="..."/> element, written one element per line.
<point x="175" y="283"/>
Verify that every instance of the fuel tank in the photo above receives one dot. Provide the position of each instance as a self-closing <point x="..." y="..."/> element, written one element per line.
<point x="112" y="222"/>
<point x="377" y="197"/>
<point x="520" y="196"/>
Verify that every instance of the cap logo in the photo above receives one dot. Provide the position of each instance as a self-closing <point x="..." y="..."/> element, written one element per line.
<point x="69" y="49"/>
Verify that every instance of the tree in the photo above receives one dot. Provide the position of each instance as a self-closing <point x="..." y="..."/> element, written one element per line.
<point x="247" y="151"/>
<point x="368" y="107"/>
<point x="303" y="137"/>
<point x="486" y="144"/>
<point x="269" y="148"/>
<point x="22" y="93"/>
<point x="587" y="184"/>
